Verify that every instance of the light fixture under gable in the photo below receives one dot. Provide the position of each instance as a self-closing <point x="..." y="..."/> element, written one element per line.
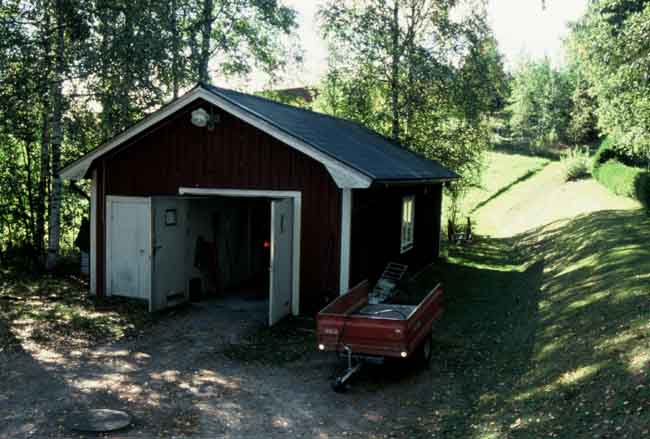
<point x="200" y="118"/>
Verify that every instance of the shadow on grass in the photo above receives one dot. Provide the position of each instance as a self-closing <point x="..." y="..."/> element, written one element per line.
<point x="526" y="176"/>
<point x="486" y="337"/>
<point x="546" y="334"/>
<point x="593" y="354"/>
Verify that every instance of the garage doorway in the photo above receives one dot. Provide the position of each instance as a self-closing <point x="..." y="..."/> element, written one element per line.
<point x="273" y="230"/>
<point x="231" y="243"/>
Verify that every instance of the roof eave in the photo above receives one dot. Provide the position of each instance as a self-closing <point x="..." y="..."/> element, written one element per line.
<point x="343" y="175"/>
<point x="415" y="181"/>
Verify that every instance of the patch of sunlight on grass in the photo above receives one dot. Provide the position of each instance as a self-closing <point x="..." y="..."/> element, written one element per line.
<point x="618" y="339"/>
<point x="488" y="434"/>
<point x="488" y="266"/>
<point x="543" y="199"/>
<point x="575" y="376"/>
<point x="550" y="348"/>
<point x="639" y="360"/>
<point x="527" y="395"/>
<point x="589" y="300"/>
<point x="588" y="262"/>
<point x="501" y="171"/>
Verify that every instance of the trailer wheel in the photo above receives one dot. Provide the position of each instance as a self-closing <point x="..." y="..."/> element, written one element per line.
<point x="425" y="351"/>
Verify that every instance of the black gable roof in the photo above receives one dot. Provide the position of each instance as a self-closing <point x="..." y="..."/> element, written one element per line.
<point x="348" y="142"/>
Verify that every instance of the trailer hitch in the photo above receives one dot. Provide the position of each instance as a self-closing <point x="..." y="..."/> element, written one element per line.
<point x="338" y="385"/>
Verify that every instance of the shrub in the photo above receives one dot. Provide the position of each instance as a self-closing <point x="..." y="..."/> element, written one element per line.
<point x="611" y="148"/>
<point x="576" y="163"/>
<point x="605" y="152"/>
<point x="624" y="180"/>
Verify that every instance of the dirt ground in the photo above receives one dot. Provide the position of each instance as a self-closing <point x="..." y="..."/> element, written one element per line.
<point x="181" y="379"/>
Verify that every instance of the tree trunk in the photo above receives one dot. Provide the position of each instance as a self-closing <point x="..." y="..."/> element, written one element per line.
<point x="44" y="171"/>
<point x="394" y="83"/>
<point x="57" y="139"/>
<point x="175" y="48"/>
<point x="206" y="35"/>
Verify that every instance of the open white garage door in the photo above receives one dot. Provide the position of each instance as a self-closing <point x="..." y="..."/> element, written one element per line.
<point x="128" y="247"/>
<point x="281" y="259"/>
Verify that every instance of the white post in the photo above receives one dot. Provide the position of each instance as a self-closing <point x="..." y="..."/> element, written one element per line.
<point x="346" y="232"/>
<point x="93" y="235"/>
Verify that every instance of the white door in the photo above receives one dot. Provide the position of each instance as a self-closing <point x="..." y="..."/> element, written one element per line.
<point x="169" y="233"/>
<point x="128" y="247"/>
<point x="281" y="259"/>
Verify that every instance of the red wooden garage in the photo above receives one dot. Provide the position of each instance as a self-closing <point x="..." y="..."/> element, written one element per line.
<point x="220" y="189"/>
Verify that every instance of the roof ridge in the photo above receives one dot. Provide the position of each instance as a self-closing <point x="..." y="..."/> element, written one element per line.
<point x="329" y="116"/>
<point x="219" y="91"/>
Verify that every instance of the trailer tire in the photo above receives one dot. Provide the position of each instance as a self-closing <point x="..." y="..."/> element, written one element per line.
<point x="426" y="351"/>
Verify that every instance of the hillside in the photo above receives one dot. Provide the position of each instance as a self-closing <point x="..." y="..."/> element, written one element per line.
<point x="546" y="333"/>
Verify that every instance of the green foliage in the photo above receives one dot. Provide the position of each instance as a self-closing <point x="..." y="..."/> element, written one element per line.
<point x="75" y="73"/>
<point x="540" y="104"/>
<point x="613" y="148"/>
<point x="296" y="97"/>
<point x="610" y="45"/>
<point x="604" y="153"/>
<point x="576" y="163"/>
<point x="433" y="98"/>
<point x="583" y="122"/>
<point x="624" y="180"/>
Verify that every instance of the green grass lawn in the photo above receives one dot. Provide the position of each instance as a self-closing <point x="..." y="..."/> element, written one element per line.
<point x="543" y="198"/>
<point x="547" y="334"/>
<point x="547" y="329"/>
<point x="502" y="172"/>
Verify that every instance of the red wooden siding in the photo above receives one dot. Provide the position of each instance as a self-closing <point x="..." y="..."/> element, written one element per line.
<point x="235" y="155"/>
<point x="377" y="225"/>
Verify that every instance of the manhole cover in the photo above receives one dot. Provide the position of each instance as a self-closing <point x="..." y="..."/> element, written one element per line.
<point x="98" y="421"/>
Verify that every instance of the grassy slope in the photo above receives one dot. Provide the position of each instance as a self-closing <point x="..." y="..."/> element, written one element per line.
<point x="546" y="333"/>
<point x="543" y="199"/>
<point x="503" y="171"/>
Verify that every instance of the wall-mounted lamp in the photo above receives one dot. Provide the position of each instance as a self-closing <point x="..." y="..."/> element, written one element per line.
<point x="202" y="119"/>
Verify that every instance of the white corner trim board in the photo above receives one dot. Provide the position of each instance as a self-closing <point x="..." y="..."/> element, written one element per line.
<point x="93" y="235"/>
<point x="344" y="175"/>
<point x="297" y="224"/>
<point x="346" y="233"/>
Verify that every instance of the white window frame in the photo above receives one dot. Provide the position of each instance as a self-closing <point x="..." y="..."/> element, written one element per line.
<point x="408" y="224"/>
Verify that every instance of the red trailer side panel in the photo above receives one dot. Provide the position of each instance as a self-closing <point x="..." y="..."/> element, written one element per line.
<point x="338" y="325"/>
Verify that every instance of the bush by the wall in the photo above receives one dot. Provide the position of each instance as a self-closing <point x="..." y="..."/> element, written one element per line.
<point x="624" y="180"/>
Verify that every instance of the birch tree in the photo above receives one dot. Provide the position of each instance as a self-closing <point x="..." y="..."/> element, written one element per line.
<point x="76" y="72"/>
<point x="54" y="226"/>
<point x="237" y="36"/>
<point x="410" y="70"/>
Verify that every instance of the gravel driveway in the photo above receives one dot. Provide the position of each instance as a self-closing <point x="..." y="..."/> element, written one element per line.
<point x="178" y="381"/>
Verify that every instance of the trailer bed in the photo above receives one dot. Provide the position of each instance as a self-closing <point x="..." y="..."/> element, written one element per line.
<point x="385" y="311"/>
<point x="352" y="326"/>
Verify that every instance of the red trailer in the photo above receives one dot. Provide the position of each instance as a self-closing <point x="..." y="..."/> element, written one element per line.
<point x="364" y="332"/>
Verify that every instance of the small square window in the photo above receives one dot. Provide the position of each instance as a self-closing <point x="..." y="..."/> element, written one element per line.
<point x="170" y="217"/>
<point x="408" y="222"/>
